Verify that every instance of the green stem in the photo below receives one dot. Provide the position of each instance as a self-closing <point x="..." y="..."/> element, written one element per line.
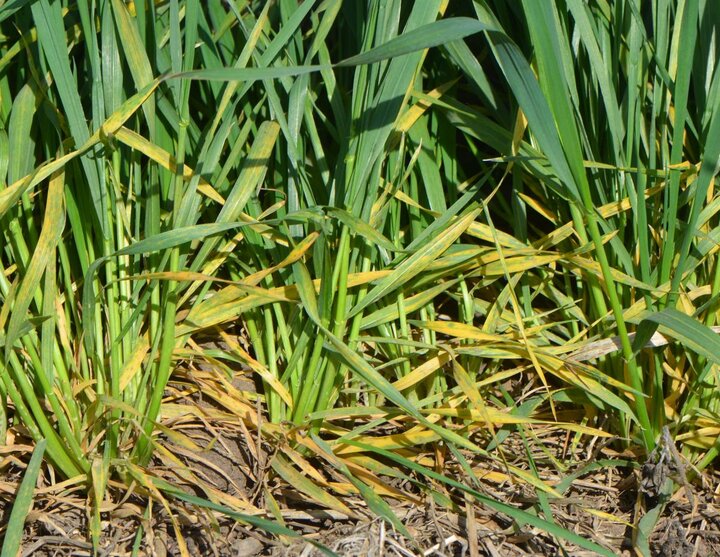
<point x="634" y="373"/>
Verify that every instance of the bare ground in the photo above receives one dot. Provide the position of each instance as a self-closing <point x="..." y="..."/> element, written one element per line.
<point x="600" y="505"/>
<point x="603" y="493"/>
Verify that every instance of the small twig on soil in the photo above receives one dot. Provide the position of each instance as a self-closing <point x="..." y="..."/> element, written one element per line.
<point x="399" y="548"/>
<point x="60" y="541"/>
<point x="381" y="542"/>
<point x="471" y="527"/>
<point x="445" y="543"/>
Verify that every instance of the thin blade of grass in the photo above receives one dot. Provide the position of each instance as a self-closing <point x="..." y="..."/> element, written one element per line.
<point x="425" y="36"/>
<point x="53" y="224"/>
<point x="23" y="503"/>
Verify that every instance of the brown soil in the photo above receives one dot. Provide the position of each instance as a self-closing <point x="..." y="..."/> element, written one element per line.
<point x="679" y="533"/>
<point x="217" y="455"/>
<point x="599" y="506"/>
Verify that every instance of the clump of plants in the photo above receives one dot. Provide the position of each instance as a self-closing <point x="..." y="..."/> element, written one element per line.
<point x="417" y="230"/>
